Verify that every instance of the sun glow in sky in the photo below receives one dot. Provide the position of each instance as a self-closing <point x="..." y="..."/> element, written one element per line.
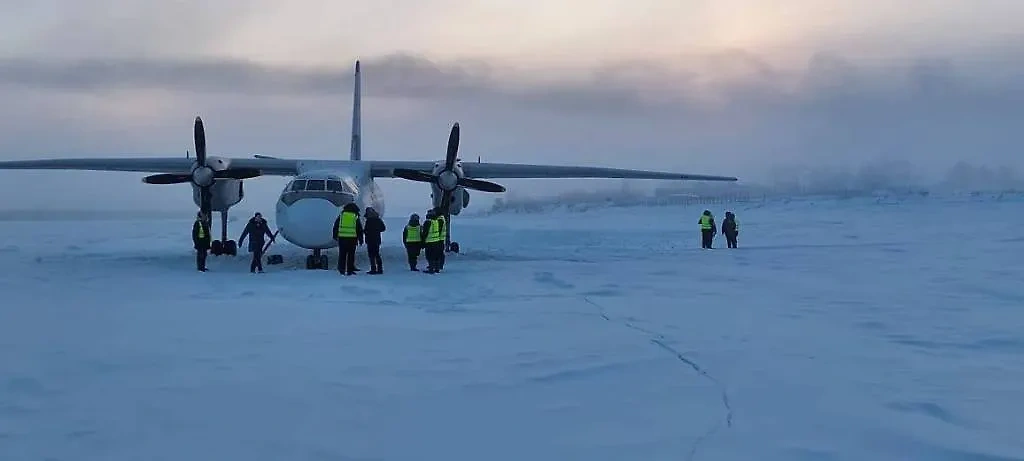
<point x="707" y="86"/>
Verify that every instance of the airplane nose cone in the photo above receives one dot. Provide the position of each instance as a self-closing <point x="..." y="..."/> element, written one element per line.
<point x="309" y="222"/>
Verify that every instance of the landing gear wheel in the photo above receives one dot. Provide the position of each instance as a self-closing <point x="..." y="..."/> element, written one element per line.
<point x="317" y="262"/>
<point x="454" y="247"/>
<point x="217" y="248"/>
<point x="231" y="248"/>
<point x="275" y="259"/>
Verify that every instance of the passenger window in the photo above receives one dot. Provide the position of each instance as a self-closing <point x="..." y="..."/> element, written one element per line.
<point x="334" y="185"/>
<point x="298" y="185"/>
<point x="316" y="184"/>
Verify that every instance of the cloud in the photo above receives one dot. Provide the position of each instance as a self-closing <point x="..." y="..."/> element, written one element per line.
<point x="731" y="112"/>
<point x="706" y="81"/>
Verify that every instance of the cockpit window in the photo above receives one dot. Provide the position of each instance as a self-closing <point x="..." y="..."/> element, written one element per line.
<point x="334" y="185"/>
<point x="298" y="184"/>
<point x="316" y="184"/>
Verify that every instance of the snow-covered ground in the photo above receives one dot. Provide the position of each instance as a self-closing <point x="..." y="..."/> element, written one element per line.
<point x="840" y="330"/>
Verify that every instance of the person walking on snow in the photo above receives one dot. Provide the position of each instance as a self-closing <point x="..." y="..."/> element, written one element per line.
<point x="256" y="229"/>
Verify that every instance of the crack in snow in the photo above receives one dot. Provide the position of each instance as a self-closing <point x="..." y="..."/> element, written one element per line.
<point x="659" y="340"/>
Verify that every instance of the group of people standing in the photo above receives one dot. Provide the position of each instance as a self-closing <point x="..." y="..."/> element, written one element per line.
<point x="427" y="237"/>
<point x="708" y="230"/>
<point x="350" y="233"/>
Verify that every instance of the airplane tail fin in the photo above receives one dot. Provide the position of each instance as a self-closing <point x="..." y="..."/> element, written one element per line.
<point x="356" y="149"/>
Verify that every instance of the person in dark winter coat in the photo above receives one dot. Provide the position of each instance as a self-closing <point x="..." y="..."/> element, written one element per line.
<point x="348" y="231"/>
<point x="707" y="229"/>
<point x="413" y="240"/>
<point x="371" y="231"/>
<point x="730" y="229"/>
<point x="201" y="241"/>
<point x="256" y="229"/>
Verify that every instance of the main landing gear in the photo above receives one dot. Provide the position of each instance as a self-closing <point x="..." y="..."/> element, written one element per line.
<point x="449" y="245"/>
<point x="224" y="246"/>
<point x="317" y="260"/>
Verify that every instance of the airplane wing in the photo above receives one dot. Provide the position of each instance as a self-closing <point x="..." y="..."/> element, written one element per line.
<point x="270" y="166"/>
<point x="267" y="166"/>
<point x="140" y="164"/>
<point x="513" y="170"/>
<point x="386" y="168"/>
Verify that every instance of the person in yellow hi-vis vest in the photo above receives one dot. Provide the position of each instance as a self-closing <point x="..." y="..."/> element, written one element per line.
<point x="433" y="241"/>
<point x="348" y="231"/>
<point x="413" y="240"/>
<point x="707" y="229"/>
<point x="443" y="229"/>
<point x="201" y="241"/>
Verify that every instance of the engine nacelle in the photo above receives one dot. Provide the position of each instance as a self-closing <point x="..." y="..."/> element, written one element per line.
<point x="458" y="201"/>
<point x="225" y="193"/>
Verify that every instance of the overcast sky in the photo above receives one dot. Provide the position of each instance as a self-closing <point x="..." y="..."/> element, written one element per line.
<point x="732" y="87"/>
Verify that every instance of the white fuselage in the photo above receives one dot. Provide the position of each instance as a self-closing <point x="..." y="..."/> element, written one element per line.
<point x="311" y="201"/>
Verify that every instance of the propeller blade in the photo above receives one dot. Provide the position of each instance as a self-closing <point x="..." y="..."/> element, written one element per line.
<point x="238" y="173"/>
<point x="205" y="197"/>
<point x="414" y="175"/>
<point x="167" y="178"/>
<point x="200" y="140"/>
<point x="446" y="202"/>
<point x="453" y="147"/>
<point x="448" y="225"/>
<point x="484" y="186"/>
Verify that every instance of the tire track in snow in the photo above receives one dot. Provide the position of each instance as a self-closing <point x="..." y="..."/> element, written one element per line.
<point x="658" y="339"/>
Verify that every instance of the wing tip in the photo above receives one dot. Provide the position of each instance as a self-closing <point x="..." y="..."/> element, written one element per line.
<point x="691" y="177"/>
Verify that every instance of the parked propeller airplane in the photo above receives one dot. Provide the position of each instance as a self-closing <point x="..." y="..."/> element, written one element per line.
<point x="308" y="205"/>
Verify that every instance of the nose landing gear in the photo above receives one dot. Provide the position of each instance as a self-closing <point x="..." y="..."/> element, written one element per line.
<point x="317" y="260"/>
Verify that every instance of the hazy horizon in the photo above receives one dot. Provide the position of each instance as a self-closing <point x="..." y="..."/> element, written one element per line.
<point x="731" y="87"/>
